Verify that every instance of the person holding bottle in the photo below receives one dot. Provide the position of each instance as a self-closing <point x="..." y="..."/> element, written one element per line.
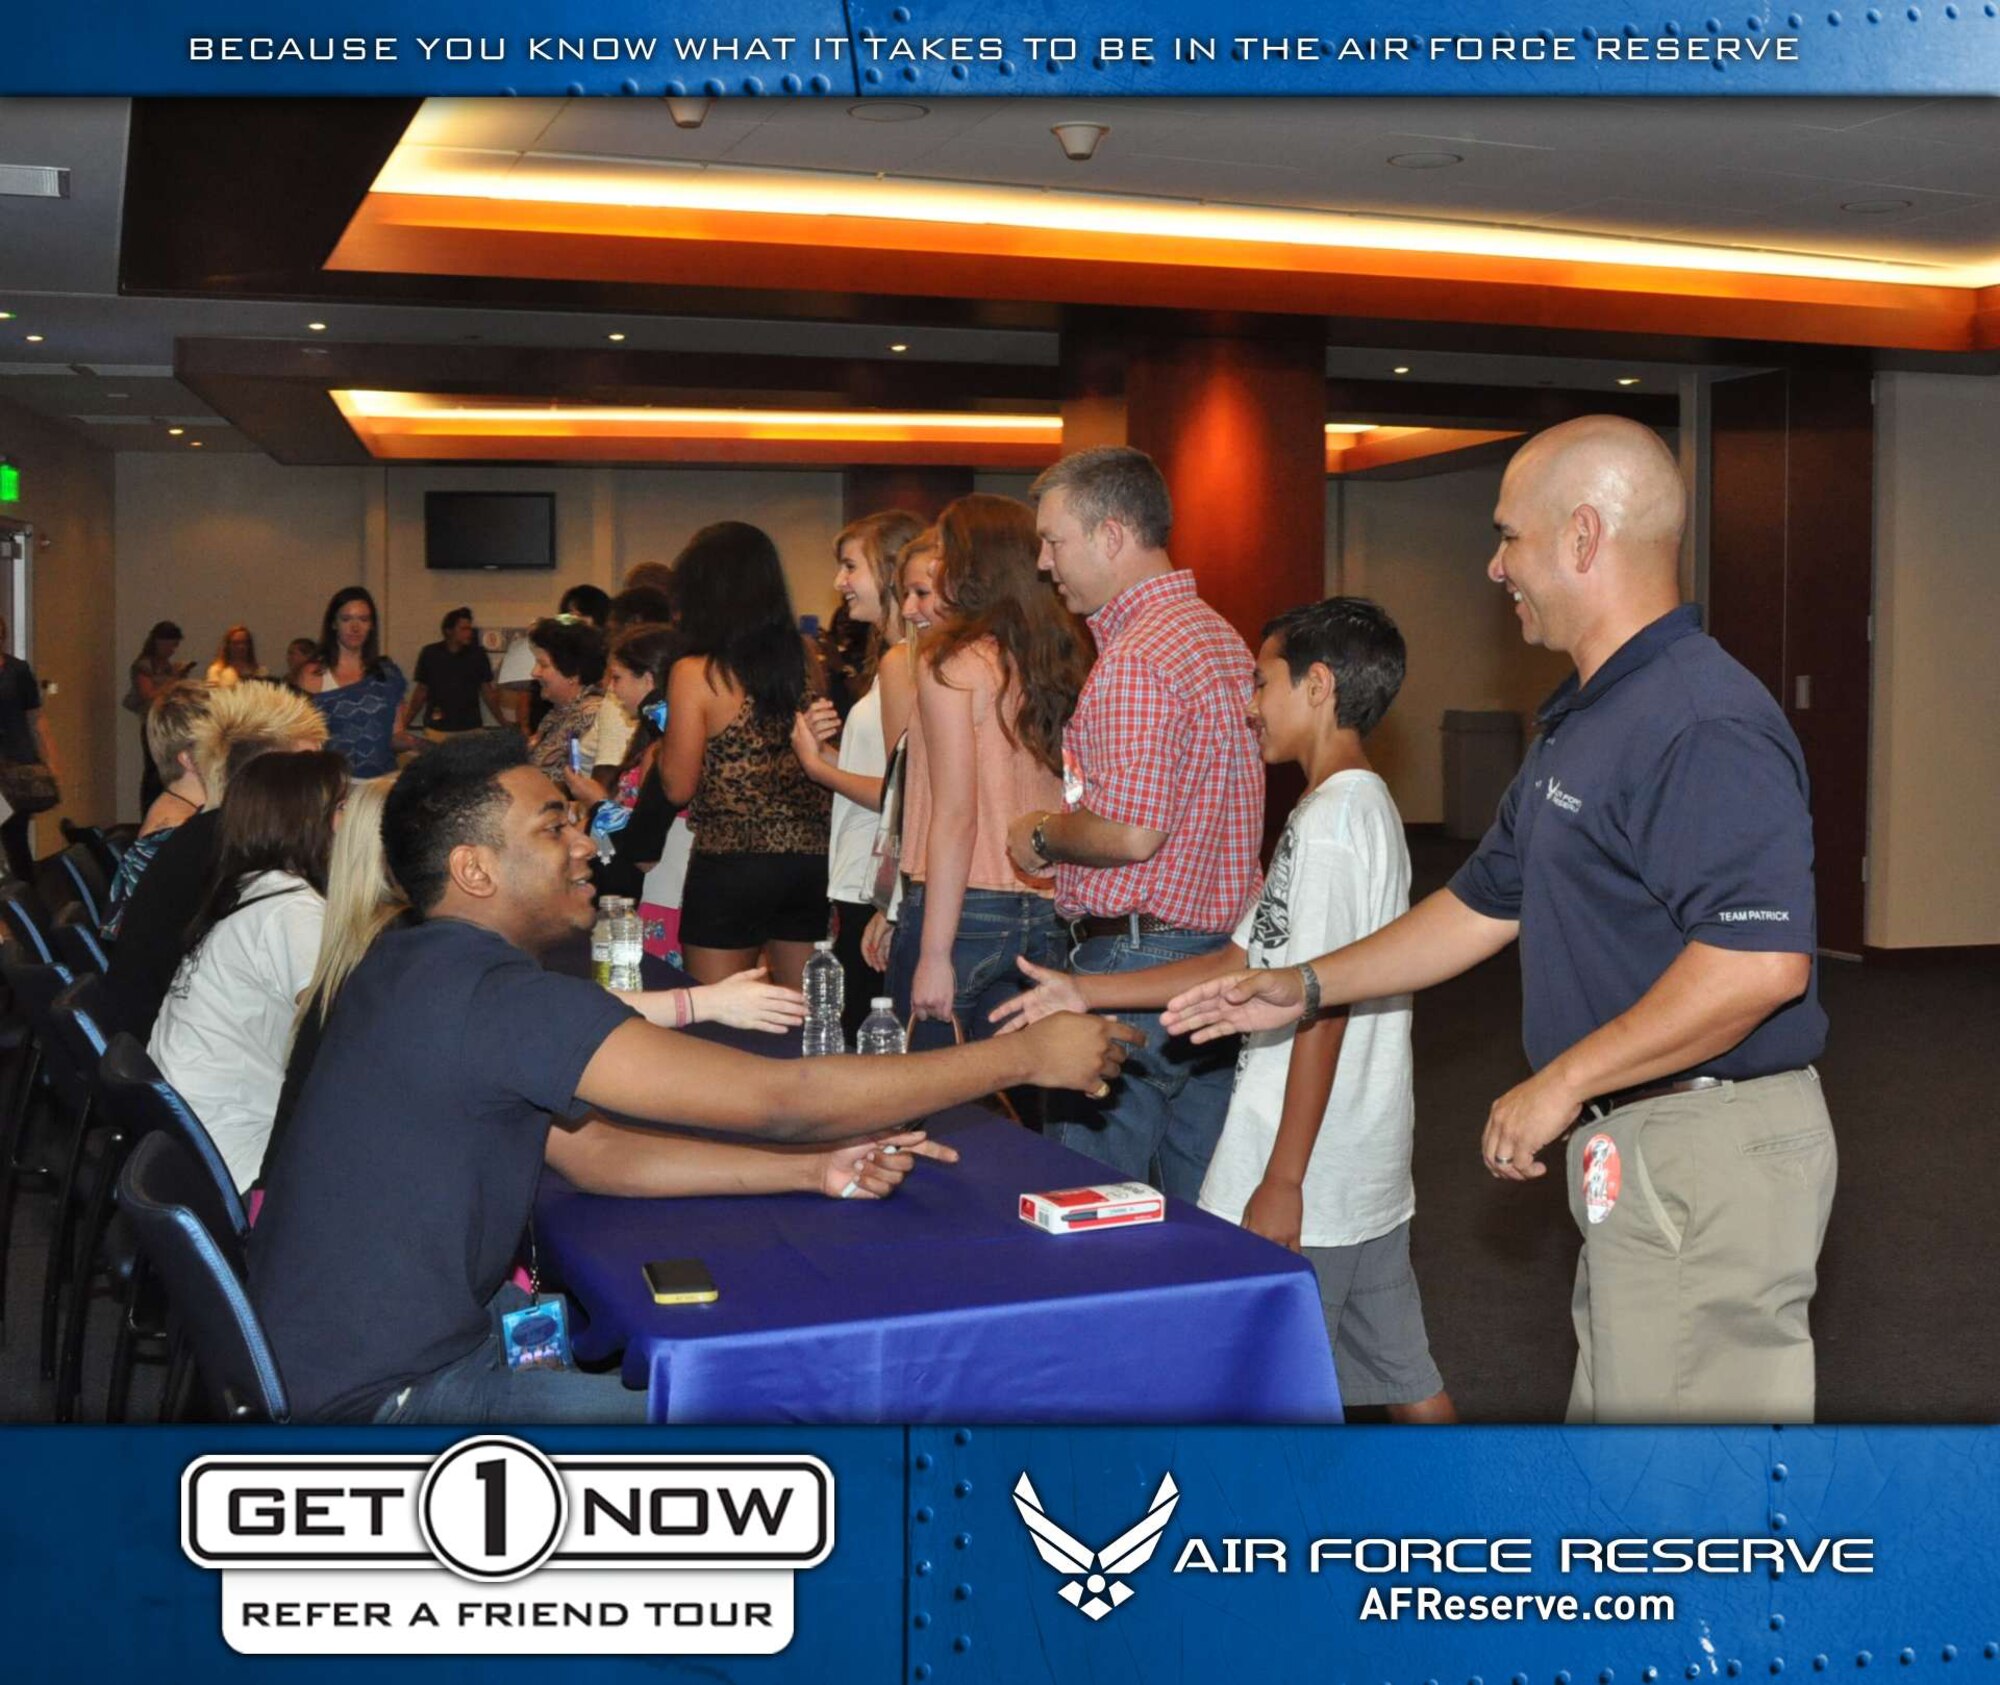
<point x="865" y="576"/>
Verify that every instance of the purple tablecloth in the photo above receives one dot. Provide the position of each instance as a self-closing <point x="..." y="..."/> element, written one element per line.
<point x="942" y="1305"/>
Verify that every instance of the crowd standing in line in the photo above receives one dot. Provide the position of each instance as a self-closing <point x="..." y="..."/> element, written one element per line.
<point x="1025" y="782"/>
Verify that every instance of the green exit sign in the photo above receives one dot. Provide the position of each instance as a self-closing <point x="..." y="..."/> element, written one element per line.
<point x="10" y="483"/>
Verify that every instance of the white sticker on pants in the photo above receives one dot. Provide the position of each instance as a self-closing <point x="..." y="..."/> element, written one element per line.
<point x="1600" y="1177"/>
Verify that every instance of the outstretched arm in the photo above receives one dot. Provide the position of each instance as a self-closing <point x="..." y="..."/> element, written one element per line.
<point x="1437" y="938"/>
<point x="641" y="1071"/>
<point x="602" y="1157"/>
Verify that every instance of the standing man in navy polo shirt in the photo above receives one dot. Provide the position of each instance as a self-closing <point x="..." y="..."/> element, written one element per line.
<point x="1155" y="851"/>
<point x="1654" y="857"/>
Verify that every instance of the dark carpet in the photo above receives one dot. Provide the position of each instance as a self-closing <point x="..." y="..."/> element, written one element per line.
<point x="1906" y="1322"/>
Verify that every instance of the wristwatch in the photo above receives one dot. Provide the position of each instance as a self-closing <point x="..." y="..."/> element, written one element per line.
<point x="1038" y="840"/>
<point x="1309" y="984"/>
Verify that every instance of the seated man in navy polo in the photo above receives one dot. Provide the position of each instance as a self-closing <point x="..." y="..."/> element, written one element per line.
<point x="1654" y="857"/>
<point x="453" y="1067"/>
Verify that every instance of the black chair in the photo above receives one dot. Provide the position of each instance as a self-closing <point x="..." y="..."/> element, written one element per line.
<point x="87" y="878"/>
<point x="23" y="1053"/>
<point x="117" y="839"/>
<point x="103" y="849"/>
<point x="162" y="1192"/>
<point x="140" y="1102"/>
<point x="27" y="918"/>
<point x="77" y="944"/>
<point x="31" y="990"/>
<point x="74" y="1040"/>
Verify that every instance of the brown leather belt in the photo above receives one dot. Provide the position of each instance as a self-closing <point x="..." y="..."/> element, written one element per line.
<point x="1133" y="925"/>
<point x="1604" y="1103"/>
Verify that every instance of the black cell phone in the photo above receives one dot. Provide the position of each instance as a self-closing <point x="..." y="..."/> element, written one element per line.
<point x="680" y="1281"/>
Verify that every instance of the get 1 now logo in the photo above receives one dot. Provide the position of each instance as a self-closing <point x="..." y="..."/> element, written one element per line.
<point x="495" y="1548"/>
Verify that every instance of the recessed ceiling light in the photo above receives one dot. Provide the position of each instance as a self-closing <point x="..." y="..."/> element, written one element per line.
<point x="888" y="111"/>
<point x="614" y="337"/>
<point x="1426" y="160"/>
<point x="316" y="327"/>
<point x="1402" y="368"/>
<point x="194" y="444"/>
<point x="899" y="346"/>
<point x="6" y="315"/>
<point x="1875" y="207"/>
<point x="1628" y="380"/>
<point x="34" y="339"/>
<point x="175" y="432"/>
<point x="118" y="394"/>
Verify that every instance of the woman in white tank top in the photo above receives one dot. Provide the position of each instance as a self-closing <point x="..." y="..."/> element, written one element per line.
<point x="851" y="760"/>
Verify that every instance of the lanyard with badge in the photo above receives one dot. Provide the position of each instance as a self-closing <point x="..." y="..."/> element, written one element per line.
<point x="537" y="1335"/>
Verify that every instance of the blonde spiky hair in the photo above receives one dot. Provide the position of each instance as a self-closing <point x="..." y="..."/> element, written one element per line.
<point x="265" y="715"/>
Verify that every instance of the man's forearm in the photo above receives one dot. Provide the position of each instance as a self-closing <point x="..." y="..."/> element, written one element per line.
<point x="1703" y="1004"/>
<point x="1153" y="987"/>
<point x="1081" y="838"/>
<point x="602" y="1157"/>
<point x="644" y="1072"/>
<point x="1436" y="939"/>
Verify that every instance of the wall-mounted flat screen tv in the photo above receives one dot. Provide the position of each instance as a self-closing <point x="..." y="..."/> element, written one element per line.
<point x="490" y="530"/>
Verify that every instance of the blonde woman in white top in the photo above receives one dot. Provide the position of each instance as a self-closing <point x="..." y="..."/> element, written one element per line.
<point x="866" y="553"/>
<point x="235" y="659"/>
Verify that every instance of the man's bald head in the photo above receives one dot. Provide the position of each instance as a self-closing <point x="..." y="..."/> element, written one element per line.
<point x="1590" y="519"/>
<point x="1620" y="469"/>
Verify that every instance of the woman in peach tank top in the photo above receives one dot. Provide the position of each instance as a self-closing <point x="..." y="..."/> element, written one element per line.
<point x="997" y="678"/>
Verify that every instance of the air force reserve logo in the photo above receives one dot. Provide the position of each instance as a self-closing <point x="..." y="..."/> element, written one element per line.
<point x="1101" y="1571"/>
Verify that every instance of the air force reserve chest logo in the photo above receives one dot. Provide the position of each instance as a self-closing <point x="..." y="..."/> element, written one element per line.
<point x="1095" y="1575"/>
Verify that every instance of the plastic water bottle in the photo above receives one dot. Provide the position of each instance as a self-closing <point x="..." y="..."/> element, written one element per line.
<point x="628" y="945"/>
<point x="825" y="989"/>
<point x="879" y="1032"/>
<point x="600" y="945"/>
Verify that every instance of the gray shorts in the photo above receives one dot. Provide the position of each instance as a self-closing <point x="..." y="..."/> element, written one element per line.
<point x="1380" y="1350"/>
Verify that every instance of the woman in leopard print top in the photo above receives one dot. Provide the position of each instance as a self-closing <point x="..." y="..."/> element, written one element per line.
<point x="756" y="882"/>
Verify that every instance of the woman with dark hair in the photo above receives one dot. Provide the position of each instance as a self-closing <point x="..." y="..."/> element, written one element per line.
<point x="357" y="687"/>
<point x="756" y="879"/>
<point x="224" y="1028"/>
<point x="630" y="812"/>
<point x="586" y="602"/>
<point x="153" y="669"/>
<point x="581" y="732"/>
<point x="996" y="682"/>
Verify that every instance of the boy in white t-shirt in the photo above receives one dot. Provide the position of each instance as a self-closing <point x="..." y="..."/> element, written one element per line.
<point x="1315" y="1154"/>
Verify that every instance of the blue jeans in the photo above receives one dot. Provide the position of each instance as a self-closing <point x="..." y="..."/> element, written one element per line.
<point x="480" y="1388"/>
<point x="1165" y="1112"/>
<point x="995" y="928"/>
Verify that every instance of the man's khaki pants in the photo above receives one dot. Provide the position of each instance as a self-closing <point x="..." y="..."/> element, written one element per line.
<point x="1702" y="1216"/>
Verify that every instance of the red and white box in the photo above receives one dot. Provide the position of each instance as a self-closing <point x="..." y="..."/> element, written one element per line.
<point x="1116" y="1205"/>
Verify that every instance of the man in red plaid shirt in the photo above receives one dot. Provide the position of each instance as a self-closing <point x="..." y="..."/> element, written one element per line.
<point x="1155" y="851"/>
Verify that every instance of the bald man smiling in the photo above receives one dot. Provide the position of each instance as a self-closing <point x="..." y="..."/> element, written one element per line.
<point x="1654" y="860"/>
